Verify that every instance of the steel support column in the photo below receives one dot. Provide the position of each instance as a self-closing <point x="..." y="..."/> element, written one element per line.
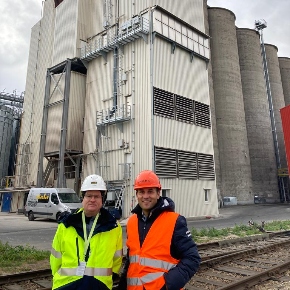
<point x="61" y="181"/>
<point x="40" y="181"/>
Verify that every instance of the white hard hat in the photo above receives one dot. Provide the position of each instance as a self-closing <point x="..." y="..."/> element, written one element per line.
<point x="94" y="182"/>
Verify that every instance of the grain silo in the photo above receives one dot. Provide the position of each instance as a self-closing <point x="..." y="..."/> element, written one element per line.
<point x="229" y="105"/>
<point x="261" y="144"/>
<point x="284" y="64"/>
<point x="277" y="97"/>
<point x="212" y="112"/>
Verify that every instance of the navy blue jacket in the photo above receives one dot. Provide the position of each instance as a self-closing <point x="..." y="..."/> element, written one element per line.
<point x="182" y="246"/>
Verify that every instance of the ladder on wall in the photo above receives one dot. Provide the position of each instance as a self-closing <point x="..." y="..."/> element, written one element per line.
<point x="119" y="200"/>
<point x="107" y="13"/>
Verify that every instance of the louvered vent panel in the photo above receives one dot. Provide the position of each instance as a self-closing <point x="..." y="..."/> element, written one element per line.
<point x="202" y="115"/>
<point x="163" y="103"/>
<point x="187" y="165"/>
<point x="165" y="162"/>
<point x="205" y="166"/>
<point x="202" y="120"/>
<point x="201" y="108"/>
<point x="184" y="109"/>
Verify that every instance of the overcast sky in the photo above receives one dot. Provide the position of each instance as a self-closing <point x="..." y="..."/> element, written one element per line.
<point x="18" y="17"/>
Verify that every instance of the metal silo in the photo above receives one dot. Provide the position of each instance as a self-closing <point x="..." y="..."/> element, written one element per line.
<point x="277" y="97"/>
<point x="6" y="128"/>
<point x="284" y="63"/>
<point x="261" y="144"/>
<point x="229" y="106"/>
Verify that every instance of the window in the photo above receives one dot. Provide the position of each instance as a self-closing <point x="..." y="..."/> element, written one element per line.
<point x="165" y="192"/>
<point x="206" y="195"/>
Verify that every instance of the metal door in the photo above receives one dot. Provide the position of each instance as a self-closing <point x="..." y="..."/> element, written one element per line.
<point x="6" y="201"/>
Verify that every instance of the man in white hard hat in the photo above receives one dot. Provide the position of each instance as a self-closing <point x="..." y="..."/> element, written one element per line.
<point x="87" y="247"/>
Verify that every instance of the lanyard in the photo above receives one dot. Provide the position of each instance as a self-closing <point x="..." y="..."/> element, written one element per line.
<point x="86" y="238"/>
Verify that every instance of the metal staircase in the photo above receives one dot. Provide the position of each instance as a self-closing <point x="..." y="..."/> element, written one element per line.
<point x="50" y="165"/>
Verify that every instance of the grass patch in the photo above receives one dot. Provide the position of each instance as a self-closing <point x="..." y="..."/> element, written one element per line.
<point x="209" y="234"/>
<point x="16" y="256"/>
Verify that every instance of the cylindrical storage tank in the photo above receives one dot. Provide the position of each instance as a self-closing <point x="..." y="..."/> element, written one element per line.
<point x="13" y="147"/>
<point x="6" y="128"/>
<point x="284" y="64"/>
<point x="277" y="97"/>
<point x="229" y="107"/>
<point x="212" y="112"/>
<point x="260" y="138"/>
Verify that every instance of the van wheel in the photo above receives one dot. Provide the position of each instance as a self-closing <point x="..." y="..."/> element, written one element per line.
<point x="58" y="216"/>
<point x="31" y="216"/>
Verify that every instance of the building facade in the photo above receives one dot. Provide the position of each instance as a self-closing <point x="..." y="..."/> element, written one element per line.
<point x="115" y="88"/>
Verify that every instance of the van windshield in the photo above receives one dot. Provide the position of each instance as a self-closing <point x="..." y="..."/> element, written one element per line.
<point x="69" y="197"/>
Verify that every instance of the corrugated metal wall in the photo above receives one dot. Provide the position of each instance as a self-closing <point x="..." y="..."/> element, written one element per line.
<point x="65" y="33"/>
<point x="261" y="146"/>
<point x="177" y="74"/>
<point x="76" y="113"/>
<point x="277" y="96"/>
<point x="74" y="138"/>
<point x="284" y="64"/>
<point x="229" y="106"/>
<point x="39" y="60"/>
<point x="187" y="10"/>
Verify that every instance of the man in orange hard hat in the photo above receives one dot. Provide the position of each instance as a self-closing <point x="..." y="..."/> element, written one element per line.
<point x="161" y="252"/>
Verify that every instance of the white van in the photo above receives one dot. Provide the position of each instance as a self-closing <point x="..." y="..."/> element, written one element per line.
<point x="50" y="202"/>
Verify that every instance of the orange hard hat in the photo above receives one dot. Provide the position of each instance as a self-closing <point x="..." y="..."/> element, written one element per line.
<point x="146" y="179"/>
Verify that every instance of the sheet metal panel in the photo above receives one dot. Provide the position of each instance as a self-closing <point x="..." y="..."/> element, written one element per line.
<point x="44" y="57"/>
<point x="53" y="131"/>
<point x="177" y="74"/>
<point x="74" y="140"/>
<point x="65" y="33"/>
<point x="98" y="97"/>
<point x="30" y="83"/>
<point x="187" y="10"/>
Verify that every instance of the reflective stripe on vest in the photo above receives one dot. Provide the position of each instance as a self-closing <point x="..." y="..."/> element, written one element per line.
<point x="144" y="279"/>
<point x="118" y="254"/>
<point x="55" y="253"/>
<point x="88" y="271"/>
<point x="152" y="263"/>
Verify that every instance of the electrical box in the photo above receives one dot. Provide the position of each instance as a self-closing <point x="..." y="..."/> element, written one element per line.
<point x="121" y="143"/>
<point x="111" y="195"/>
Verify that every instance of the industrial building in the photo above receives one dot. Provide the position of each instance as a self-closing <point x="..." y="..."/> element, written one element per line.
<point x="10" y="114"/>
<point x="116" y="87"/>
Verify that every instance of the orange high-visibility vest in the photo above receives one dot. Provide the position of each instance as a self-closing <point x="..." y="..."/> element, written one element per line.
<point x="149" y="263"/>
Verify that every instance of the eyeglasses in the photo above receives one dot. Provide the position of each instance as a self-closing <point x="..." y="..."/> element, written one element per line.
<point x="93" y="196"/>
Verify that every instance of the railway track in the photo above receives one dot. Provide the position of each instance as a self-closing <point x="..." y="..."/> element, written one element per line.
<point x="229" y="264"/>
<point x="243" y="267"/>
